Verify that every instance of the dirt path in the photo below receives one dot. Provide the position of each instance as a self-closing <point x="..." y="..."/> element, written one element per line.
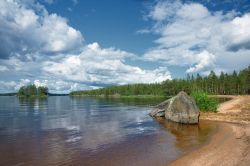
<point x="230" y="146"/>
<point x="236" y="110"/>
<point x="236" y="104"/>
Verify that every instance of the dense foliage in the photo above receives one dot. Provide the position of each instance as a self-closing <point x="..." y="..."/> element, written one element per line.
<point x="126" y="90"/>
<point x="32" y="90"/>
<point x="204" y="102"/>
<point x="234" y="83"/>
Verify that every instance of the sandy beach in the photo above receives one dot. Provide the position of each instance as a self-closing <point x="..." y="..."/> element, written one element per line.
<point x="236" y="110"/>
<point x="230" y="145"/>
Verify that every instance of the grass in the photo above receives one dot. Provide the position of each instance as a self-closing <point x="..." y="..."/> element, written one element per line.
<point x="204" y="102"/>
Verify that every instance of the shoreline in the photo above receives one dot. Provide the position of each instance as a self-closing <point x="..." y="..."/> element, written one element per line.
<point x="117" y="96"/>
<point x="230" y="144"/>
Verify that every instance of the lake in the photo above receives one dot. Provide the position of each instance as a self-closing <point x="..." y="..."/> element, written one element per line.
<point x="64" y="130"/>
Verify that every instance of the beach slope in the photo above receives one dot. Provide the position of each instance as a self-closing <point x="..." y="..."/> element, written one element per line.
<point x="230" y="146"/>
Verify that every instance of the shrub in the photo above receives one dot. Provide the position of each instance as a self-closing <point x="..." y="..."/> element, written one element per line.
<point x="204" y="102"/>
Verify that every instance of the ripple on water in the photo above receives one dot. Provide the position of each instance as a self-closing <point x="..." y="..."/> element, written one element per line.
<point x="88" y="131"/>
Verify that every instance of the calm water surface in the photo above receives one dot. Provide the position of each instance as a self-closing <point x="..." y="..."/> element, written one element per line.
<point x="63" y="130"/>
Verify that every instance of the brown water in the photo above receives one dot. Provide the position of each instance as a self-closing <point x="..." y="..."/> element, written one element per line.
<point x="89" y="131"/>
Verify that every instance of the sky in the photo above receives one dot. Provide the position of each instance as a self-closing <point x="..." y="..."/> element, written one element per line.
<point x="70" y="45"/>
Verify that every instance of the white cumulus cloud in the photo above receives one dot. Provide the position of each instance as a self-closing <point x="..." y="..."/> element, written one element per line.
<point x="192" y="36"/>
<point x="102" y="65"/>
<point x="30" y="28"/>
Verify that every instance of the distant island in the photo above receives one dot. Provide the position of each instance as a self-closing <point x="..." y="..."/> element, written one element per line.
<point x="32" y="91"/>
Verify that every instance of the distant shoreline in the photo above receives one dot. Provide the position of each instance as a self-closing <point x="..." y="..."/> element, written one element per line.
<point x="8" y="94"/>
<point x="49" y="94"/>
<point x="122" y="96"/>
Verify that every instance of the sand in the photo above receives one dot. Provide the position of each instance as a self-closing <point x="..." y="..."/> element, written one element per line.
<point x="236" y="110"/>
<point x="230" y="145"/>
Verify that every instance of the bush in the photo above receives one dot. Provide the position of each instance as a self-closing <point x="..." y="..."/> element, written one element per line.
<point x="204" y="102"/>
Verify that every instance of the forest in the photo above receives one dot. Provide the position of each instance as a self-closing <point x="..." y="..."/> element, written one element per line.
<point x="32" y="91"/>
<point x="236" y="83"/>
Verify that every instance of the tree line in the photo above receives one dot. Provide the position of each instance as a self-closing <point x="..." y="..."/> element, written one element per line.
<point x="125" y="90"/>
<point x="32" y="90"/>
<point x="223" y="84"/>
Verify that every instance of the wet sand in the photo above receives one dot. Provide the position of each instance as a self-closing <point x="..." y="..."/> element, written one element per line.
<point x="230" y="145"/>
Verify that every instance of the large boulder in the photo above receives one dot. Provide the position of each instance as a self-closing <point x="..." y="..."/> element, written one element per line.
<point x="181" y="108"/>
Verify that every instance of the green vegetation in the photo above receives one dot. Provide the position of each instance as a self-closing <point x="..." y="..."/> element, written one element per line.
<point x="224" y="84"/>
<point x="133" y="90"/>
<point x="204" y="102"/>
<point x="32" y="91"/>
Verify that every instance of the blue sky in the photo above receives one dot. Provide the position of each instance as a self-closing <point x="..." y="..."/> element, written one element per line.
<point x="111" y="23"/>
<point x="85" y="44"/>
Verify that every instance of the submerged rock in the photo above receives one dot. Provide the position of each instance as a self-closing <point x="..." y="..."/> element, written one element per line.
<point x="181" y="108"/>
<point x="159" y="110"/>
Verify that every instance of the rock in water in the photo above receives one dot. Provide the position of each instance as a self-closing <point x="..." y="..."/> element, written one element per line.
<point x="181" y="108"/>
<point x="159" y="110"/>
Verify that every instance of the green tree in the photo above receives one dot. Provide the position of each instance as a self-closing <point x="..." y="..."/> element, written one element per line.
<point x="32" y="90"/>
<point x="226" y="83"/>
<point x="42" y="91"/>
<point x="247" y="81"/>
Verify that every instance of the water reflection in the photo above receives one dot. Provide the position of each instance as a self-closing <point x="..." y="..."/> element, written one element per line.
<point x="87" y="131"/>
<point x="81" y="118"/>
<point x="33" y="103"/>
<point x="126" y="100"/>
<point x="189" y="136"/>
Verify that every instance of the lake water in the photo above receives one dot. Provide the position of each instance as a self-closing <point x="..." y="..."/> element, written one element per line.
<point x="63" y="130"/>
